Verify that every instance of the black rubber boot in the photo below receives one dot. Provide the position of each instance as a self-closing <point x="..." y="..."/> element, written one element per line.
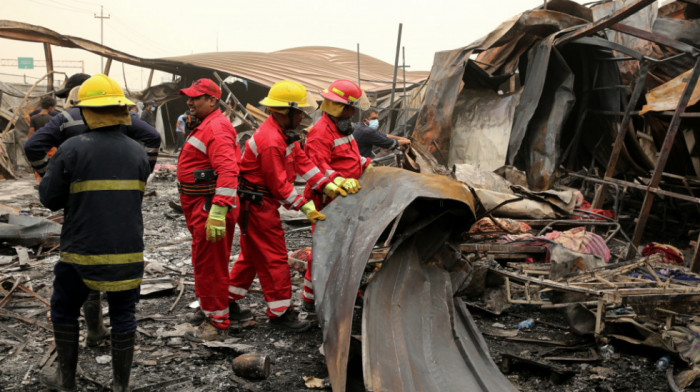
<point x="122" y="356"/>
<point x="61" y="376"/>
<point x="290" y="321"/>
<point x="92" y="309"/>
<point x="236" y="313"/>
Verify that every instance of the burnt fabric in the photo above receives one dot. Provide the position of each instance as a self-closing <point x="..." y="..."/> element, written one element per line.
<point x="269" y="163"/>
<point x="69" y="293"/>
<point x="70" y="123"/>
<point x="99" y="178"/>
<point x="336" y="155"/>
<point x="211" y="146"/>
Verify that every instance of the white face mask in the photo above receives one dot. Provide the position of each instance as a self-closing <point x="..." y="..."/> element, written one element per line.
<point x="374" y="124"/>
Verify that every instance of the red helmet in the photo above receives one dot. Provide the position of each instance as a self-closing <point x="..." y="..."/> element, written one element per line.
<point x="343" y="91"/>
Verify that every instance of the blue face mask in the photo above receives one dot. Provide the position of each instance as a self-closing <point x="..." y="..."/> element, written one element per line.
<point x="374" y="124"/>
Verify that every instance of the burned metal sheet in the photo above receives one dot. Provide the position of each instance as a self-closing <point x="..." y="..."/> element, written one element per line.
<point x="481" y="128"/>
<point x="343" y="243"/>
<point x="416" y="336"/>
<point x="28" y="230"/>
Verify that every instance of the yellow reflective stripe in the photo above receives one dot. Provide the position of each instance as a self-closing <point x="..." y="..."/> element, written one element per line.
<point x="107" y="185"/>
<point x="120" y="285"/>
<point x="339" y="92"/>
<point x="123" y="258"/>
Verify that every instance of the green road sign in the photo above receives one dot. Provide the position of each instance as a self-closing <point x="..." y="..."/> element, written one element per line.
<point x="25" y="62"/>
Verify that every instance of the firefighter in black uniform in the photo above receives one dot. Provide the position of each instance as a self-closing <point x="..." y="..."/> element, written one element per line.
<point x="98" y="178"/>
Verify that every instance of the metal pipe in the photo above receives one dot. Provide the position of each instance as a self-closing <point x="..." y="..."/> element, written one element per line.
<point x="393" y="84"/>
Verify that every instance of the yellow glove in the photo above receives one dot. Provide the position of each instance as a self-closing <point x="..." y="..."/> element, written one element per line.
<point x="310" y="211"/>
<point x="351" y="185"/>
<point x="369" y="166"/>
<point x="216" y="223"/>
<point x="332" y="191"/>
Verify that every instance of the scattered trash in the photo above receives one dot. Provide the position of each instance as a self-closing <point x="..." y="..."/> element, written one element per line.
<point x="662" y="364"/>
<point x="526" y="324"/>
<point x="606" y="351"/>
<point x="252" y="366"/>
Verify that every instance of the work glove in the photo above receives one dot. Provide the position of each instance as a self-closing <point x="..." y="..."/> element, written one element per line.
<point x="369" y="167"/>
<point x="331" y="190"/>
<point x="311" y="214"/>
<point x="351" y="185"/>
<point x="216" y="223"/>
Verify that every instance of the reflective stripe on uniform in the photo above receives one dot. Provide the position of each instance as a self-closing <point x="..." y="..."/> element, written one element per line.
<point x="279" y="307"/>
<point x="107" y="185"/>
<point x="252" y="146"/>
<point x="216" y="313"/>
<point x="120" y="285"/>
<point x="329" y="173"/>
<point x="297" y="203"/>
<point x="226" y="191"/>
<point x="70" y="123"/>
<point x="151" y="150"/>
<point x="318" y="183"/>
<point x="342" y="140"/>
<point x="289" y="150"/>
<point x="309" y="174"/>
<point x="363" y="160"/>
<point x="107" y="259"/>
<point x="40" y="162"/>
<point x="237" y="291"/>
<point x="198" y="144"/>
<point x="292" y="196"/>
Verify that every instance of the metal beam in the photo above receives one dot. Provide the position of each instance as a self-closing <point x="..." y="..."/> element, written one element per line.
<point x="665" y="150"/>
<point x="108" y="66"/>
<point x="659" y="39"/>
<point x="620" y="139"/>
<point x="603" y="23"/>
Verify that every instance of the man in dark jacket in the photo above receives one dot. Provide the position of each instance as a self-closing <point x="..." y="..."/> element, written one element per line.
<point x="149" y="113"/>
<point x="98" y="178"/>
<point x="366" y="135"/>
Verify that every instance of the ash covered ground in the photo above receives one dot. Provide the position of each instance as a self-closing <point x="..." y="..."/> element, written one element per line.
<point x="164" y="360"/>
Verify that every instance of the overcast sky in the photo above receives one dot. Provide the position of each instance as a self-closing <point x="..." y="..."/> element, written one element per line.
<point x="162" y="28"/>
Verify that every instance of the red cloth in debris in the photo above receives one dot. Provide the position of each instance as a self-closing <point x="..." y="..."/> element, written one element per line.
<point x="672" y="255"/>
<point x="587" y="206"/>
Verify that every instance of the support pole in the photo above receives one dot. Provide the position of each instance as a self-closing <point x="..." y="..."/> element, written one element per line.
<point x="49" y="66"/>
<point x="358" y="75"/>
<point x="150" y="78"/>
<point x="665" y="150"/>
<point x="108" y="66"/>
<point x="102" y="29"/>
<point x="393" y="84"/>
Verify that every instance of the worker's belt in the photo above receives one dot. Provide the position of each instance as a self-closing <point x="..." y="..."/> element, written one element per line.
<point x="248" y="191"/>
<point x="197" y="189"/>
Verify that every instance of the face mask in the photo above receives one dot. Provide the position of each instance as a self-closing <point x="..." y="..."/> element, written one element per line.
<point x="374" y="124"/>
<point x="345" y="126"/>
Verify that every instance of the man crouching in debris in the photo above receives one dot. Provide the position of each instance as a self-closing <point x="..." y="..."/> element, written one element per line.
<point x="331" y="146"/>
<point x="98" y="178"/>
<point x="207" y="175"/>
<point x="270" y="163"/>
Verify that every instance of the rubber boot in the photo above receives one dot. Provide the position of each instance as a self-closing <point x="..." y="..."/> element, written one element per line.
<point x="122" y="356"/>
<point x="61" y="376"/>
<point x="290" y="321"/>
<point x="96" y="331"/>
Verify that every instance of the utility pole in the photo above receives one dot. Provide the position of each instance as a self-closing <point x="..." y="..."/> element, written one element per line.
<point x="102" y="25"/>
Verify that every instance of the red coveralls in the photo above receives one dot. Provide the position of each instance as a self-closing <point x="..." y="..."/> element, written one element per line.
<point x="336" y="155"/>
<point x="270" y="163"/>
<point x="211" y="145"/>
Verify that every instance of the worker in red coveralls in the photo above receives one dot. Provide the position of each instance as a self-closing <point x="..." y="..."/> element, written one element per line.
<point x="207" y="175"/>
<point x="332" y="148"/>
<point x="271" y="161"/>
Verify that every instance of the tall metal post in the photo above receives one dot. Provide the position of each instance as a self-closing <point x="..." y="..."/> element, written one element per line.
<point x="102" y="23"/>
<point x="393" y="84"/>
<point x="359" y="83"/>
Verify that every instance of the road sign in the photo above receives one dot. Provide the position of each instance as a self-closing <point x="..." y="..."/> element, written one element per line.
<point x="25" y="62"/>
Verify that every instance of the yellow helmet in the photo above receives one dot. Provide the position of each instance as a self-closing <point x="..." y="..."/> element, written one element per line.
<point x="286" y="94"/>
<point x="99" y="91"/>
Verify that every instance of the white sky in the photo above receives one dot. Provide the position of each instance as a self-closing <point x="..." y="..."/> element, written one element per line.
<point x="162" y="28"/>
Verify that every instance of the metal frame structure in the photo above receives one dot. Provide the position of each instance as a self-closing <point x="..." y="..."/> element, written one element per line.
<point x="652" y="188"/>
